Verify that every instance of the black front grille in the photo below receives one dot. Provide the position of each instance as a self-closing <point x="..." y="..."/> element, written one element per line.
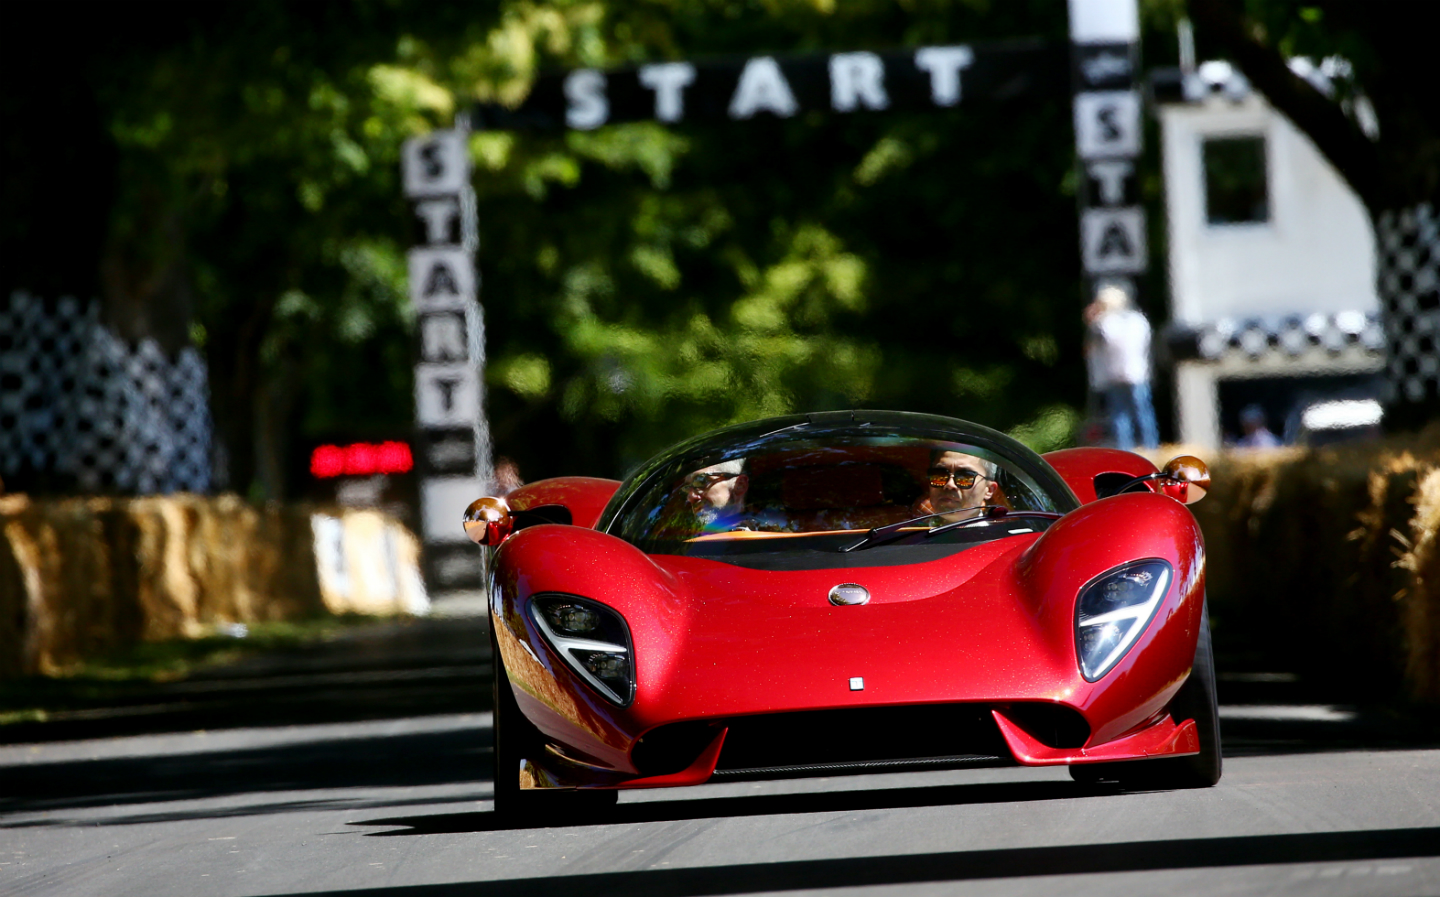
<point x="864" y="739"/>
<point x="961" y="761"/>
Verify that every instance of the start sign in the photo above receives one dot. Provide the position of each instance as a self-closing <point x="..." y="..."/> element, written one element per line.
<point x="925" y="78"/>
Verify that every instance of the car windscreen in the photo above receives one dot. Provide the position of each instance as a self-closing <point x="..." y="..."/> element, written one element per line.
<point x="805" y="491"/>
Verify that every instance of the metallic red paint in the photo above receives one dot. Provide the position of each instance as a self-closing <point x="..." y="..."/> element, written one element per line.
<point x="584" y="497"/>
<point x="1080" y="466"/>
<point x="1163" y="738"/>
<point x="990" y="625"/>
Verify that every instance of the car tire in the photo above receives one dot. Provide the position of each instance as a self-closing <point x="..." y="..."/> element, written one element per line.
<point x="514" y="739"/>
<point x="1195" y="700"/>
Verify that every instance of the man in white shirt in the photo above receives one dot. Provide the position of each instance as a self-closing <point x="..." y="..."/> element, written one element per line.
<point x="1118" y="356"/>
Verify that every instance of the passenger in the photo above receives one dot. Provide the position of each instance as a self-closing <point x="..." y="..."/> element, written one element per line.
<point x="959" y="485"/>
<point x="716" y="495"/>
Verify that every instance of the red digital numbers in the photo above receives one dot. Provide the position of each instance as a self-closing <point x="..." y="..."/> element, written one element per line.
<point x="360" y="459"/>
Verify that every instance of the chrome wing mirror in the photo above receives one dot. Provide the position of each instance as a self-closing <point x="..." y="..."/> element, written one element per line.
<point x="1185" y="479"/>
<point x="488" y="521"/>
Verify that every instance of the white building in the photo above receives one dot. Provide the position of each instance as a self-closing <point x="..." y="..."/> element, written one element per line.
<point x="1272" y="272"/>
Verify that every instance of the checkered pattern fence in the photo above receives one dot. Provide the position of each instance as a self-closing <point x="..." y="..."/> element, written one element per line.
<point x="1290" y="334"/>
<point x="81" y="408"/>
<point x="1408" y="246"/>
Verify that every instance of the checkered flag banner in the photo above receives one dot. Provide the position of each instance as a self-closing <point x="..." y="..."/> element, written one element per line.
<point x="1408" y="267"/>
<point x="82" y="409"/>
<point x="1290" y="335"/>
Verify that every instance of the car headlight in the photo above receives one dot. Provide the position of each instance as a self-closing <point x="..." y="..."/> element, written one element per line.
<point x="592" y="639"/>
<point x="1113" y="611"/>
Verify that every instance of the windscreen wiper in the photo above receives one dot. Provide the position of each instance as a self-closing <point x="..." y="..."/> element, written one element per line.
<point x="882" y="535"/>
<point x="891" y="531"/>
<point x="995" y="511"/>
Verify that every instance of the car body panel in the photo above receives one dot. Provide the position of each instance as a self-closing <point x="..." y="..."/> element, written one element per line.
<point x="1080" y="466"/>
<point x="583" y="497"/>
<point x="714" y="640"/>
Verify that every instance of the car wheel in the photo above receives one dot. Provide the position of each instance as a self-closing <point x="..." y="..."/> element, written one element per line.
<point x="1195" y="700"/>
<point x="515" y="739"/>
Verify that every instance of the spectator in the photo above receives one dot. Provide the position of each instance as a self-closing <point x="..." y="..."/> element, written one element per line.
<point x="507" y="476"/>
<point x="1256" y="434"/>
<point x="1117" y="350"/>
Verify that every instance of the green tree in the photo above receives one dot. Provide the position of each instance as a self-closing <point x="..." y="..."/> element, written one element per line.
<point x="640" y="283"/>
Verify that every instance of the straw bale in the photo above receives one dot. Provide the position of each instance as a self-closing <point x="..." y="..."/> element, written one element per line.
<point x="14" y="594"/>
<point x="1420" y="604"/>
<point x="30" y="546"/>
<point x="80" y="576"/>
<point x="166" y="588"/>
<point x="1325" y="561"/>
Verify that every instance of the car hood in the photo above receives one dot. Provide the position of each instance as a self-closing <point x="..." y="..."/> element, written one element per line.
<point x="959" y="628"/>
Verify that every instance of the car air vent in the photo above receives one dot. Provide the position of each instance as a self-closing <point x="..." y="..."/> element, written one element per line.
<point x="860" y="736"/>
<point x="1108" y="484"/>
<point x="1053" y="725"/>
<point x="669" y="749"/>
<point x="541" y="514"/>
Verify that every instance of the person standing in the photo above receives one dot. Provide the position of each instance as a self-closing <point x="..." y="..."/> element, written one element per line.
<point x="1257" y="435"/>
<point x="1118" y="355"/>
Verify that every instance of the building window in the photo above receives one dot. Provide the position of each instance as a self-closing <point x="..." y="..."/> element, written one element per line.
<point x="1235" y="181"/>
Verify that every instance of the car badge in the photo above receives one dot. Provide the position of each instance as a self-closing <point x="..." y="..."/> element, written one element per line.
<point x="848" y="593"/>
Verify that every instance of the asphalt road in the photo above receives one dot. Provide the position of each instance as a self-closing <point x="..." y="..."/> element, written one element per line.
<point x="362" y="769"/>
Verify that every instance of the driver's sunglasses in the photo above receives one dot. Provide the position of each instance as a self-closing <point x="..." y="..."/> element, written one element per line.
<point x="702" y="481"/>
<point x="964" y="479"/>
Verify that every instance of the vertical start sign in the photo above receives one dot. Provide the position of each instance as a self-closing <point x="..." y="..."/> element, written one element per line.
<point x="1104" y="52"/>
<point x="453" y="448"/>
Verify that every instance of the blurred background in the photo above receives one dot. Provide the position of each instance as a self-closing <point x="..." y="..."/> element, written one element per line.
<point x="204" y="244"/>
<point x="224" y="180"/>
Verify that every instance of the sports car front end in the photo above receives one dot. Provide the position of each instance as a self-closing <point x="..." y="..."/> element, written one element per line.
<point x="828" y="628"/>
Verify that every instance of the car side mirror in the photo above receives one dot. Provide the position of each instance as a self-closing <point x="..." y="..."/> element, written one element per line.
<point x="488" y="521"/>
<point x="1185" y="479"/>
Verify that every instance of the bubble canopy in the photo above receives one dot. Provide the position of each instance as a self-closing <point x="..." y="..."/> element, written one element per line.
<point x="816" y="482"/>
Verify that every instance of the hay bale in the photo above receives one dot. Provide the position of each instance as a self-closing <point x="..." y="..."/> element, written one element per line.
<point x="1325" y="562"/>
<point x="166" y="590"/>
<point x="1420" y="602"/>
<point x="82" y="576"/>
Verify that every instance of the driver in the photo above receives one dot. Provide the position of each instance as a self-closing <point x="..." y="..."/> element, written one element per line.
<point x="957" y="485"/>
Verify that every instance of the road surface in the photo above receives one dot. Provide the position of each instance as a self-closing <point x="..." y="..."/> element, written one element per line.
<point x="327" y="794"/>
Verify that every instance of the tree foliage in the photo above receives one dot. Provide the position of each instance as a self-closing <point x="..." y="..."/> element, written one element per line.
<point x="640" y="283"/>
<point x="1385" y="51"/>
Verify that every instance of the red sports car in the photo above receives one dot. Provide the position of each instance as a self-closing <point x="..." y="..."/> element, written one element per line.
<point x="848" y="592"/>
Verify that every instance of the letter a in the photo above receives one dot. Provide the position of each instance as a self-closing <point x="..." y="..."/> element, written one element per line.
<point x="762" y="88"/>
<point x="1114" y="241"/>
<point x="441" y="281"/>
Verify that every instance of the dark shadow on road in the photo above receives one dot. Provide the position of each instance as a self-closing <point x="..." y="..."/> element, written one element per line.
<point x="391" y="670"/>
<point x="350" y="804"/>
<point x="956" y="866"/>
<point x="838" y="801"/>
<point x="415" y="759"/>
